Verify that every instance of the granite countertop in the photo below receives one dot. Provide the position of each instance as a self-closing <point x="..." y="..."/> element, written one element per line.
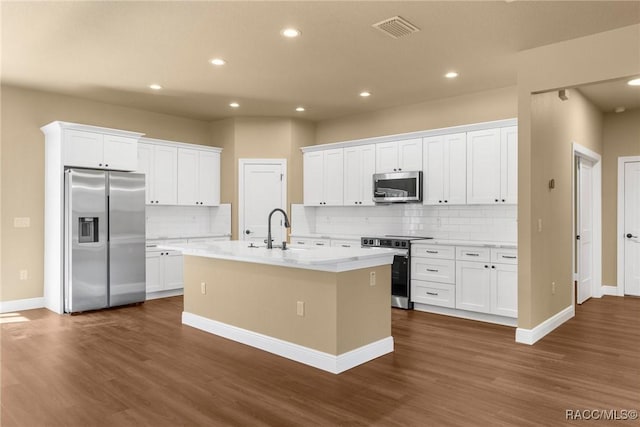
<point x="321" y="259"/>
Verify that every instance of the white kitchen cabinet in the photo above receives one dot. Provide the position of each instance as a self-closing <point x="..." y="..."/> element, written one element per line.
<point x="164" y="270"/>
<point x="359" y="167"/>
<point x="159" y="163"/>
<point x="433" y="270"/>
<point x="473" y="286"/>
<point x="198" y="177"/>
<point x="323" y="177"/>
<point x="492" y="161"/>
<point x="396" y="156"/>
<point x="99" y="150"/>
<point x="504" y="290"/>
<point x="445" y="169"/>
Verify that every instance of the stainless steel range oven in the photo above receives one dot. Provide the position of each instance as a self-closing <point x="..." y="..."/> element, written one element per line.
<point x="401" y="268"/>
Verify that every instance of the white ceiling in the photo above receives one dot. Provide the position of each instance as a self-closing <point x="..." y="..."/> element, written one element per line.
<point x="111" y="51"/>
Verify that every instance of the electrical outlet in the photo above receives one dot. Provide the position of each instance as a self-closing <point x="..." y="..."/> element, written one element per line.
<point x="203" y="288"/>
<point x="372" y="278"/>
<point x="300" y="308"/>
<point x="539" y="225"/>
<point x="553" y="288"/>
<point x="22" y="222"/>
<point x="24" y="274"/>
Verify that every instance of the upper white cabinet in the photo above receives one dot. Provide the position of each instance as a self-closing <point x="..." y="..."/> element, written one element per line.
<point x="359" y="167"/>
<point x="323" y="177"/>
<point x="198" y="177"/>
<point x="396" y="156"/>
<point x="445" y="169"/>
<point x="180" y="174"/>
<point x="492" y="161"/>
<point x="159" y="163"/>
<point x="99" y="150"/>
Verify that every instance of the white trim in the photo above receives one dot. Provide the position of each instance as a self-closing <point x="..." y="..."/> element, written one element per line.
<point x="411" y="135"/>
<point x="308" y="356"/>
<point x="241" y="165"/>
<point x="177" y="144"/>
<point x="596" y="183"/>
<point x="89" y="128"/>
<point x="610" y="290"/>
<point x="463" y="314"/>
<point x="531" y="336"/>
<point x="620" y="228"/>
<point x="21" y="304"/>
<point x="164" y="294"/>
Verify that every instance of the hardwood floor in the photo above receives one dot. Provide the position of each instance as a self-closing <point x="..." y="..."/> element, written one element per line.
<point x="140" y="366"/>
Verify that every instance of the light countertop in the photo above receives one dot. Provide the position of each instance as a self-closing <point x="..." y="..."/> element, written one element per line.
<point x="315" y="258"/>
<point x="437" y="241"/>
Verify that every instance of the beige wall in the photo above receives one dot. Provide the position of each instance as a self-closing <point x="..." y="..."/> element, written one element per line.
<point x="557" y="124"/>
<point x="621" y="138"/>
<point x="604" y="56"/>
<point x="461" y="110"/>
<point x="23" y="113"/>
<point x="260" y="138"/>
<point x="342" y="312"/>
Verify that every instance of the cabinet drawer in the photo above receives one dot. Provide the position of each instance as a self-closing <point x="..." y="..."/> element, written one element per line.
<point x="310" y="242"/>
<point x="345" y="243"/>
<point x="504" y="256"/>
<point x="473" y="254"/>
<point x="433" y="270"/>
<point x="433" y="293"/>
<point x="432" y="251"/>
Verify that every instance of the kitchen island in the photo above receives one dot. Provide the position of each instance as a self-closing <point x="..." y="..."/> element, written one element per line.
<point x="325" y="307"/>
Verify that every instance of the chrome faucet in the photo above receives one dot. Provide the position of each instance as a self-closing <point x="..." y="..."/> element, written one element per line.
<point x="286" y="224"/>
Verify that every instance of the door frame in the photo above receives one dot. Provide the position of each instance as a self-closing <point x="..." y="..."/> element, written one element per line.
<point x="620" y="270"/>
<point x="241" y="164"/>
<point x="596" y="187"/>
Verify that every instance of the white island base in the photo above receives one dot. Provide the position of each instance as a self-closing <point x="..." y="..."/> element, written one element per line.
<point x="330" y="320"/>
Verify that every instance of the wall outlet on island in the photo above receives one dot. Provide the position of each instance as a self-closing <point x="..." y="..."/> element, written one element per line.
<point x="24" y="274"/>
<point x="372" y="278"/>
<point x="300" y="308"/>
<point x="553" y="288"/>
<point x="203" y="288"/>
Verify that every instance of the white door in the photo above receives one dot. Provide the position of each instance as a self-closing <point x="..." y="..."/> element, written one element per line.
<point x="455" y="161"/>
<point x="120" y="152"/>
<point x="473" y="286"/>
<point x="145" y="164"/>
<point x="164" y="175"/>
<point x="352" y="176"/>
<point x="188" y="177"/>
<point x="585" y="230"/>
<point x="509" y="165"/>
<point x="262" y="189"/>
<point x="332" y="178"/>
<point x="504" y="290"/>
<point x="410" y="155"/>
<point x="433" y="176"/>
<point x="483" y="167"/>
<point x="387" y="157"/>
<point x="209" y="178"/>
<point x="632" y="228"/>
<point x="313" y="181"/>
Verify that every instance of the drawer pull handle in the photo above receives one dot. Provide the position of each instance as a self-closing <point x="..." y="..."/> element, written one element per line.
<point x="509" y="256"/>
<point x="471" y="254"/>
<point x="346" y="246"/>
<point x="435" y="294"/>
<point x="431" y="270"/>
<point x="319" y="244"/>
<point x="432" y="252"/>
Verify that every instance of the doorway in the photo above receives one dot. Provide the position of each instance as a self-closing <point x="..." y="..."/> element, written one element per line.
<point x="587" y="224"/>
<point x="262" y="187"/>
<point x="629" y="226"/>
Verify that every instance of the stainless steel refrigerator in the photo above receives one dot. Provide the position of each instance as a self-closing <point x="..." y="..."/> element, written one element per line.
<point x="104" y="262"/>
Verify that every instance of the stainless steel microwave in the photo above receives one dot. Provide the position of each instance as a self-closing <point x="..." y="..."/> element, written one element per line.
<point x="397" y="187"/>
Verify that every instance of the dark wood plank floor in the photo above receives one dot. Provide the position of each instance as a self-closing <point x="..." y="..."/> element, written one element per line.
<point x="139" y="366"/>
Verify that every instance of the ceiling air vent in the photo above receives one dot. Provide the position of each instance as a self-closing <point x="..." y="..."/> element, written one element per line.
<point x="396" y="27"/>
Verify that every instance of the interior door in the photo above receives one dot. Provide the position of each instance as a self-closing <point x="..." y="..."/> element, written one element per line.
<point x="585" y="230"/>
<point x="263" y="189"/>
<point x="632" y="228"/>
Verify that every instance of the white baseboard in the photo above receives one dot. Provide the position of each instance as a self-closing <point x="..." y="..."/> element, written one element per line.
<point x="612" y="290"/>
<point x="308" y="356"/>
<point x="164" y="294"/>
<point x="531" y="336"/>
<point x="21" y="304"/>
<point x="464" y="314"/>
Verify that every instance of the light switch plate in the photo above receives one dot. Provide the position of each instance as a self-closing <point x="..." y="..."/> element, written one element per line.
<point x="22" y="222"/>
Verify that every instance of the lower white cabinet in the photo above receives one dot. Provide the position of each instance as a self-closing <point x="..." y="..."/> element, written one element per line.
<point x="473" y="286"/>
<point x="504" y="290"/>
<point x="164" y="270"/>
<point x="434" y="293"/>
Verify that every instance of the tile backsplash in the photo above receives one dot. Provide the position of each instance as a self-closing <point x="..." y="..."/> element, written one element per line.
<point x="187" y="221"/>
<point x="464" y="222"/>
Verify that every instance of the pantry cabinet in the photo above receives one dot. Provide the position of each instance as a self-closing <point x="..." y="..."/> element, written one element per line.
<point x="323" y="177"/>
<point x="198" y="177"/>
<point x="397" y="156"/>
<point x="445" y="169"/>
<point x="359" y="167"/>
<point x="492" y="161"/>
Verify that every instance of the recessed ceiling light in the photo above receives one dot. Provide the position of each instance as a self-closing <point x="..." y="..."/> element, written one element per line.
<point x="218" y="61"/>
<point x="155" y="86"/>
<point x="364" y="94"/>
<point x="451" y="75"/>
<point x="290" y="32"/>
<point x="634" y="82"/>
<point x="300" y="109"/>
<point x="619" y="110"/>
<point x="234" y="105"/>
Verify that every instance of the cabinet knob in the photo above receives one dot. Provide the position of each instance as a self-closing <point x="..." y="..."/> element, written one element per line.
<point x="493" y="266"/>
<point x="496" y="200"/>
<point x="446" y="201"/>
<point x="503" y="200"/>
<point x="394" y="169"/>
<point x="399" y="169"/>
<point x="99" y="164"/>
<point x="106" y="165"/>
<point x="486" y="266"/>
<point x="439" y="201"/>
